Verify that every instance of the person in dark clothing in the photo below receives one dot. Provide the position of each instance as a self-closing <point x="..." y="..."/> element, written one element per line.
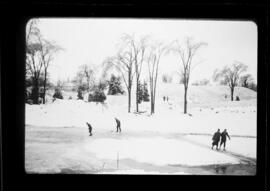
<point x="164" y="98"/>
<point x="216" y="138"/>
<point x="89" y="128"/>
<point x="118" y="124"/>
<point x="224" y="135"/>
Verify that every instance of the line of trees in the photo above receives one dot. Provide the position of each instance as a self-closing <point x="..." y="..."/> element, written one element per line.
<point x="39" y="55"/>
<point x="153" y="61"/>
<point x="132" y="55"/>
<point x="231" y="75"/>
<point x="135" y="53"/>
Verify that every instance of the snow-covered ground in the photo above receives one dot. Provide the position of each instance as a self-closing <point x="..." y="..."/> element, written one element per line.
<point x="57" y="136"/>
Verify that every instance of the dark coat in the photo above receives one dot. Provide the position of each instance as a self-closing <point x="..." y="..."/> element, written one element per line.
<point x="117" y="122"/>
<point x="89" y="127"/>
<point x="216" y="136"/>
<point x="224" y="135"/>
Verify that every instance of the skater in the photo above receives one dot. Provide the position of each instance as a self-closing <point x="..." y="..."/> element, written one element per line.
<point x="224" y="134"/>
<point x="167" y="98"/>
<point x="118" y="124"/>
<point x="89" y="128"/>
<point x="164" y="98"/>
<point x="216" y="139"/>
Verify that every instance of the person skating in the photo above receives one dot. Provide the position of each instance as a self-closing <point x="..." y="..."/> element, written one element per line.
<point x="118" y="124"/>
<point x="216" y="138"/>
<point x="89" y="128"/>
<point x="224" y="135"/>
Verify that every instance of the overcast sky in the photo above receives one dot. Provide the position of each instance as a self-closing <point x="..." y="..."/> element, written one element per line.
<point x="90" y="41"/>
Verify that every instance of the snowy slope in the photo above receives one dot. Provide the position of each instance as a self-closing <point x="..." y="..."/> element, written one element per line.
<point x="207" y="105"/>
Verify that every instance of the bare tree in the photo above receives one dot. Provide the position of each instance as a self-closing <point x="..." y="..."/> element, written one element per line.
<point x="138" y="49"/>
<point x="33" y="64"/>
<point x="187" y="53"/>
<point x="79" y="78"/>
<point x="88" y="74"/>
<point x="230" y="75"/>
<point x="134" y="56"/>
<point x="60" y="84"/>
<point x="123" y="63"/>
<point x="47" y="52"/>
<point x="32" y="31"/>
<point x="85" y="77"/>
<point x="153" y="60"/>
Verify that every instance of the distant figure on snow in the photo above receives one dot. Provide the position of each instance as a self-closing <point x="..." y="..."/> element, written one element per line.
<point x="167" y="98"/>
<point x="216" y="139"/>
<point x="118" y="124"/>
<point x="224" y="134"/>
<point x="89" y="128"/>
<point x="237" y="98"/>
<point x="164" y="98"/>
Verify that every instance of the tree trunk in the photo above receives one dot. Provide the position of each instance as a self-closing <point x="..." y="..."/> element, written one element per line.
<point x="232" y="90"/>
<point x="152" y="103"/>
<point x="35" y="91"/>
<point x="137" y="95"/>
<point x="44" y="93"/>
<point x="153" y="107"/>
<point x="44" y="87"/>
<point x="129" y="99"/>
<point x="185" y="100"/>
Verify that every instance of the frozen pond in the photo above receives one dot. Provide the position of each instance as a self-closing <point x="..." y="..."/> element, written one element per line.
<point x="51" y="151"/>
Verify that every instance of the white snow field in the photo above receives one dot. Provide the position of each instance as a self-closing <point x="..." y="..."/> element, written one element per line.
<point x="57" y="139"/>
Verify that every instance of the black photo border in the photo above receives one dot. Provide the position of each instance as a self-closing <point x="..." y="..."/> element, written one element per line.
<point x="13" y="20"/>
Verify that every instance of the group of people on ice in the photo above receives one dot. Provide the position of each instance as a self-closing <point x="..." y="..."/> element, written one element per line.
<point x="216" y="139"/>
<point x="118" y="126"/>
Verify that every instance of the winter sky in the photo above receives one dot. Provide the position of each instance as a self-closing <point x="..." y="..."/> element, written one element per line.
<point x="90" y="41"/>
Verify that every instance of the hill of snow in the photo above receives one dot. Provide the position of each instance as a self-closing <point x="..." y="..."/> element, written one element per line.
<point x="208" y="108"/>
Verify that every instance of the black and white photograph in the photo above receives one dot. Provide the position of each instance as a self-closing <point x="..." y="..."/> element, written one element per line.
<point x="141" y="96"/>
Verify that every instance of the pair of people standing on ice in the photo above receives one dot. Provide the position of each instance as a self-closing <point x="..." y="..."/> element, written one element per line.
<point x="216" y="139"/>
<point x="118" y="126"/>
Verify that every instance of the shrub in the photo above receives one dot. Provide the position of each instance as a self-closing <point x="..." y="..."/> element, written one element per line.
<point x="140" y="93"/>
<point x="58" y="94"/>
<point x="143" y="92"/>
<point x="97" y="96"/>
<point x="79" y="95"/>
<point x="115" y="85"/>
